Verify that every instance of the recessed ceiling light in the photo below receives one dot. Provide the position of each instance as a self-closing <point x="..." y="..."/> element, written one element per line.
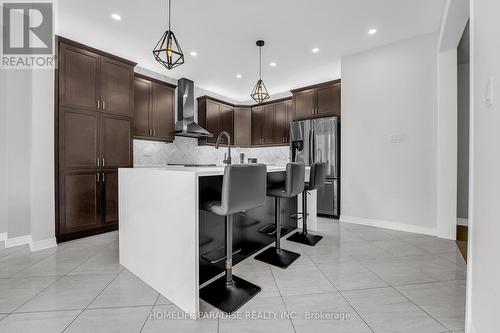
<point x="315" y="50"/>
<point x="372" y="31"/>
<point x="239" y="76"/>
<point x="193" y="53"/>
<point x="116" y="17"/>
<point x="273" y="64"/>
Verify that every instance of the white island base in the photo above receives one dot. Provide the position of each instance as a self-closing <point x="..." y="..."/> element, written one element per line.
<point x="159" y="228"/>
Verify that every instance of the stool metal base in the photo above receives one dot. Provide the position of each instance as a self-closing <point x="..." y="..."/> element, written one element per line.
<point x="306" y="239"/>
<point x="280" y="258"/>
<point x="229" y="298"/>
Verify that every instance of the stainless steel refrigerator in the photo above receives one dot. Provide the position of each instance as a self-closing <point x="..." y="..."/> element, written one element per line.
<point x="317" y="140"/>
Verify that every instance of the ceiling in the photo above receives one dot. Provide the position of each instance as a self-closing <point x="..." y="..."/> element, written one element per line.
<point x="223" y="33"/>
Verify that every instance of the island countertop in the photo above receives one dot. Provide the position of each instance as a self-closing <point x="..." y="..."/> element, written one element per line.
<point x="159" y="233"/>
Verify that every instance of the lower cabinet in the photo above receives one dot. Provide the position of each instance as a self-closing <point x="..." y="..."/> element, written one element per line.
<point x="79" y="201"/>
<point x="88" y="201"/>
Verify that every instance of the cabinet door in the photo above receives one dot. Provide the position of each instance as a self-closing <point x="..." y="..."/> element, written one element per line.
<point x="213" y="120"/>
<point x="79" y="198"/>
<point x="290" y="116"/>
<point x="163" y="112"/>
<point x="304" y="103"/>
<point x="116" y="87"/>
<point x="268" y="124"/>
<point x="109" y="182"/>
<point x="280" y="122"/>
<point x="257" y="124"/>
<point x="242" y="127"/>
<point x="227" y="121"/>
<point x="328" y="100"/>
<point x="142" y="105"/>
<point x="115" y="141"/>
<point x="78" y="74"/>
<point x="78" y="139"/>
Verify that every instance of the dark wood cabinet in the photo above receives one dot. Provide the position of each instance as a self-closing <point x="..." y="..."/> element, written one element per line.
<point x="154" y="108"/>
<point x="78" y="144"/>
<point x="117" y="94"/>
<point x="215" y="116"/>
<point x="328" y="100"/>
<point x="243" y="126"/>
<point x="270" y="123"/>
<point x="290" y="116"/>
<point x="258" y="120"/>
<point x="94" y="101"/>
<point x="115" y="144"/>
<point x="280" y="123"/>
<point x="109" y="201"/>
<point x="78" y="78"/>
<point x="320" y="100"/>
<point x="304" y="103"/>
<point x="142" y="105"/>
<point x="79" y="201"/>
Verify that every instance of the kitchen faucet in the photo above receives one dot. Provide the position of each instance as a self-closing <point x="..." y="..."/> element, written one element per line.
<point x="227" y="160"/>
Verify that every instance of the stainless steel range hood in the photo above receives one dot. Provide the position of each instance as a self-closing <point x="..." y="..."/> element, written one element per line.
<point x="185" y="125"/>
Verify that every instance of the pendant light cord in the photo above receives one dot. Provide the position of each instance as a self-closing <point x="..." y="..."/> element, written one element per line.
<point x="169" y="13"/>
<point x="260" y="62"/>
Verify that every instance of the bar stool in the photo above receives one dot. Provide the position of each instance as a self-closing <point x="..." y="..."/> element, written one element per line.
<point x="294" y="184"/>
<point x="316" y="180"/>
<point x="243" y="187"/>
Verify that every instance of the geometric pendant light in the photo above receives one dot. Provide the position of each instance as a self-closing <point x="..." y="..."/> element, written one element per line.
<point x="259" y="92"/>
<point x="168" y="51"/>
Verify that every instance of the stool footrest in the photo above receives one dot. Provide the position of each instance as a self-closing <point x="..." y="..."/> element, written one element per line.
<point x="270" y="229"/>
<point x="229" y="298"/>
<point x="217" y="255"/>
<point x="297" y="216"/>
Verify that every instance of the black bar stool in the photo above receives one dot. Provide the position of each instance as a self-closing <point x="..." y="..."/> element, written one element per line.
<point x="243" y="187"/>
<point x="294" y="184"/>
<point x="316" y="180"/>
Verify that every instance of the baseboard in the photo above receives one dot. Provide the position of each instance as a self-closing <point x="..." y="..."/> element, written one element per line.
<point x="3" y="236"/>
<point x="462" y="222"/>
<point x="17" y="241"/>
<point x="43" y="244"/>
<point x="388" y="225"/>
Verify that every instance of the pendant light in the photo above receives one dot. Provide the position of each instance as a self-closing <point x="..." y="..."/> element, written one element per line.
<point x="168" y="51"/>
<point x="259" y="92"/>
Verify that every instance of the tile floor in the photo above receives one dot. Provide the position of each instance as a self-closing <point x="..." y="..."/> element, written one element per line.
<point x="357" y="279"/>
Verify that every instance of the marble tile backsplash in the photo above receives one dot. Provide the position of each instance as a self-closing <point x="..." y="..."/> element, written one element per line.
<point x="186" y="150"/>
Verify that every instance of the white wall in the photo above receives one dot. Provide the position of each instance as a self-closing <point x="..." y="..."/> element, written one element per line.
<point x="42" y="198"/>
<point x="484" y="214"/>
<point x="390" y="91"/>
<point x="3" y="156"/>
<point x="18" y="147"/>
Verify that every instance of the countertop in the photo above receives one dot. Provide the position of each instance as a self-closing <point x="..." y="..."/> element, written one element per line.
<point x="203" y="170"/>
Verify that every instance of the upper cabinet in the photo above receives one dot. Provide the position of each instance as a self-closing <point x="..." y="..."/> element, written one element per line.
<point x="154" y="109"/>
<point x="271" y="122"/>
<point x="320" y="100"/>
<point x="216" y="117"/>
<point x="243" y="126"/>
<point x="95" y="82"/>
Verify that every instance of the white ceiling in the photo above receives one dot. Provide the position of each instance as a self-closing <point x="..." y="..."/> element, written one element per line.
<point x="223" y="33"/>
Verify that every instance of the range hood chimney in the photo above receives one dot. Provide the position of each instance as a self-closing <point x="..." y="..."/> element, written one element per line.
<point x="185" y="125"/>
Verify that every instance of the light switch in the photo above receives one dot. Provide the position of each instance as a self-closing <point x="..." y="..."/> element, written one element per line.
<point x="489" y="93"/>
<point x="395" y="138"/>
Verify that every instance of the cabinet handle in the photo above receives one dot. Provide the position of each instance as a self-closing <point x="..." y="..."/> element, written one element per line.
<point x="103" y="180"/>
<point x="97" y="177"/>
<point x="98" y="161"/>
<point x="103" y="105"/>
<point x="98" y="104"/>
<point x="102" y="162"/>
<point x="154" y="132"/>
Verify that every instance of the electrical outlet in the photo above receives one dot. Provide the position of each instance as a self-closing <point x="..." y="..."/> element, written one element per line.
<point x="395" y="138"/>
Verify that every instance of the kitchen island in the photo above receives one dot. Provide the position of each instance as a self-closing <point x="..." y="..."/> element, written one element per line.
<point x="173" y="245"/>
